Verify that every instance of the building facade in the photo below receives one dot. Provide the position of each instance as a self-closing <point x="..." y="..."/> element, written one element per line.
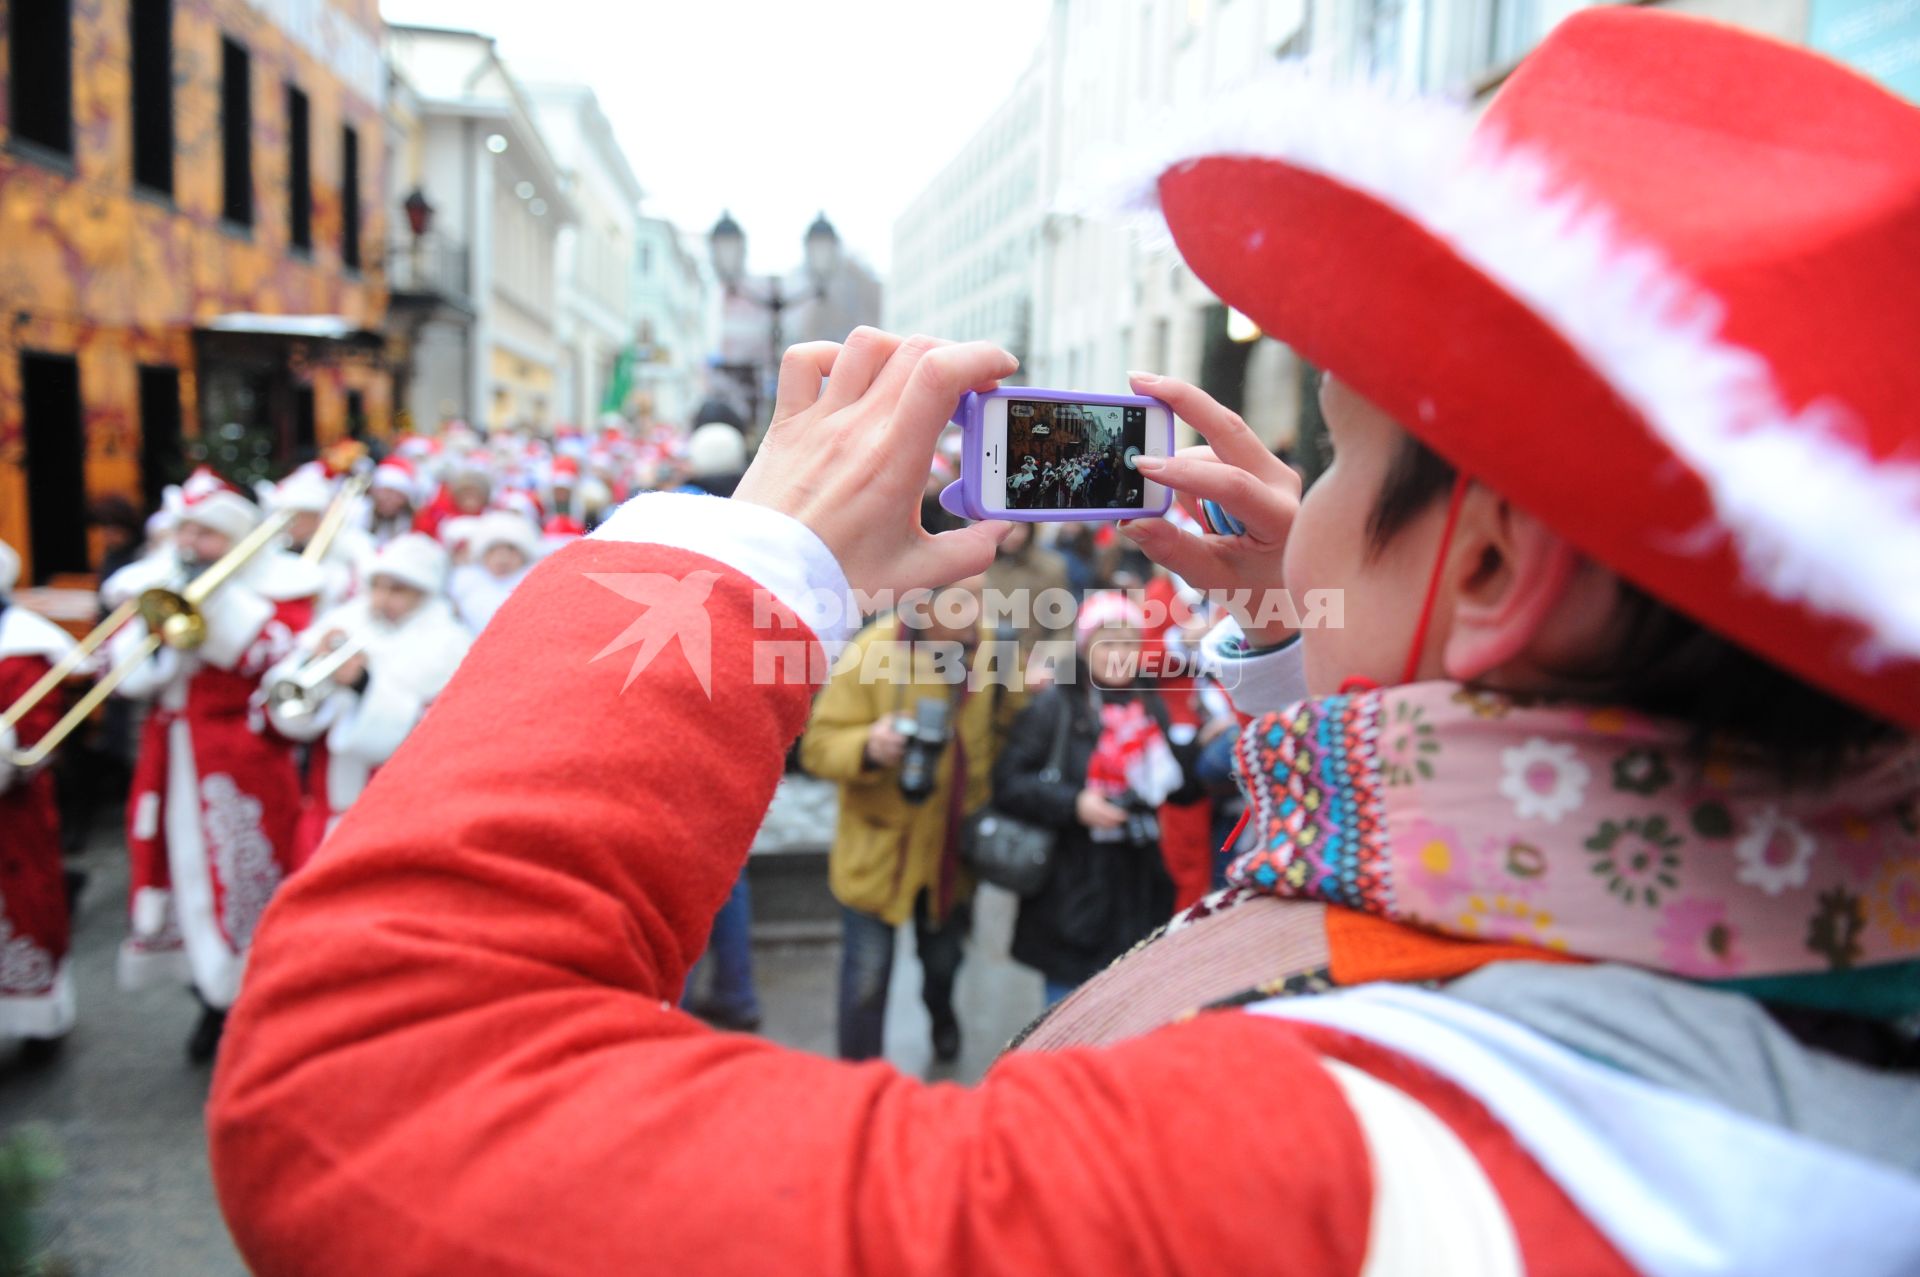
<point x="672" y="306"/>
<point x="595" y="252"/>
<point x="1110" y="72"/>
<point x="192" y="261"/>
<point x="964" y="252"/>
<point x="498" y="202"/>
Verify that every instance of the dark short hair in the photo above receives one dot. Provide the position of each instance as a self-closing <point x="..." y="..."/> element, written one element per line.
<point x="1668" y="664"/>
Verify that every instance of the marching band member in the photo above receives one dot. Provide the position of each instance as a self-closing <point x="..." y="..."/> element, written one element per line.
<point x="407" y="644"/>
<point x="36" y="991"/>
<point x="504" y="547"/>
<point x="467" y="491"/>
<point x="390" y="500"/>
<point x="210" y="821"/>
<point x="309" y="493"/>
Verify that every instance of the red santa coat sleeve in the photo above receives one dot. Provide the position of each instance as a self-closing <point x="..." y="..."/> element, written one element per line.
<point x="457" y="1050"/>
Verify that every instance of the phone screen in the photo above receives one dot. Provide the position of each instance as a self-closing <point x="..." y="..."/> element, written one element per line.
<point x="1073" y="456"/>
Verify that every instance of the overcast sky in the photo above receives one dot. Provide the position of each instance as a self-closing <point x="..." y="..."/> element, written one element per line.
<point x="772" y="109"/>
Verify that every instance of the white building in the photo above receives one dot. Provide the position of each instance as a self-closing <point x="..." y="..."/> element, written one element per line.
<point x="671" y="314"/>
<point x="964" y="251"/>
<point x="483" y="279"/>
<point x="595" y="252"/>
<point x="1107" y="73"/>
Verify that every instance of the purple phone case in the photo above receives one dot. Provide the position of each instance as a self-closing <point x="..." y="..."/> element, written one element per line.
<point x="961" y="498"/>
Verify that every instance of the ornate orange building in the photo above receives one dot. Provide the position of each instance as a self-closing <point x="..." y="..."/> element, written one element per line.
<point x="191" y="247"/>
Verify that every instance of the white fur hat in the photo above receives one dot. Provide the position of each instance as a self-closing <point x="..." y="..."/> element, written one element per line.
<point x="414" y="559"/>
<point x="504" y="527"/>
<point x="460" y="530"/>
<point x="212" y="502"/>
<point x="716" y="449"/>
<point x="9" y="569"/>
<point x="306" y="490"/>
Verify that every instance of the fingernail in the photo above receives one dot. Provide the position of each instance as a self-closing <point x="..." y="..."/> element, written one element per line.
<point x="1149" y="464"/>
<point x="1147" y="377"/>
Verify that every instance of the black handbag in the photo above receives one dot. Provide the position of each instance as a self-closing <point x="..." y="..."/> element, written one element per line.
<point x="1010" y="852"/>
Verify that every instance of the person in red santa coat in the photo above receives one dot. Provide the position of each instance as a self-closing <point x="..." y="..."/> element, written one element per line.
<point x="36" y="988"/>
<point x="215" y="799"/>
<point x="409" y="644"/>
<point x="1579" y="934"/>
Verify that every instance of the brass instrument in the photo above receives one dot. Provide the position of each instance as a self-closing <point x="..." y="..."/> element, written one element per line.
<point x="173" y="618"/>
<point x="300" y="693"/>
<point x="336" y="517"/>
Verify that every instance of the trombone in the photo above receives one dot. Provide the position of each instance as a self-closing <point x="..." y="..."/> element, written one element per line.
<point x="173" y="618"/>
<point x="336" y="517"/>
<point x="300" y="693"/>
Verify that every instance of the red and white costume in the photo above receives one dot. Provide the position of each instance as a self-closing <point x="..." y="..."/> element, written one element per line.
<point x="343" y="568"/>
<point x="476" y="592"/>
<point x="215" y="798"/>
<point x="36" y="990"/>
<point x="354" y="732"/>
<point x="393" y="474"/>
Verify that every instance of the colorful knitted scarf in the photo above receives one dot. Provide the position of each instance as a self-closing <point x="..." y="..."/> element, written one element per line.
<point x="1591" y="833"/>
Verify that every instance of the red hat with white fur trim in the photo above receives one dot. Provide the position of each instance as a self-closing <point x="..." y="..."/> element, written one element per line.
<point x="1665" y="295"/>
<point x="212" y="502"/>
<point x="396" y="474"/>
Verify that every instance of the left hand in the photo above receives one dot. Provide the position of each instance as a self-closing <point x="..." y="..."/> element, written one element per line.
<point x="353" y="671"/>
<point x="850" y="459"/>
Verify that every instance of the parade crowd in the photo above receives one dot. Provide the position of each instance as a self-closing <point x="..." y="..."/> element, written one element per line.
<point x="331" y="640"/>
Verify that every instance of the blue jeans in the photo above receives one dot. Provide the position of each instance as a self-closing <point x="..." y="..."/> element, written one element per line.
<point x="1057" y="992"/>
<point x="866" y="970"/>
<point x="729" y="956"/>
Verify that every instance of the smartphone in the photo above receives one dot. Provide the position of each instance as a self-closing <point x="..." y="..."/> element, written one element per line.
<point x="1033" y="454"/>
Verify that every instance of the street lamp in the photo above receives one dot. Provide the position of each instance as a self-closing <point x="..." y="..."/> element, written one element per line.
<point x="823" y="250"/>
<point x="727" y="245"/>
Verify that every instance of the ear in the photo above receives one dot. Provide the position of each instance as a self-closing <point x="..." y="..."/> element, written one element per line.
<point x="1512" y="572"/>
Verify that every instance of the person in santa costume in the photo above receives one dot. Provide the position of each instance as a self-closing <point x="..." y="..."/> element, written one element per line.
<point x="1582" y="926"/>
<point x="410" y="643"/>
<point x="215" y="799"/>
<point x="503" y="547"/>
<point x="36" y="988"/>
<point x="309" y="492"/>
<point x="394" y="488"/>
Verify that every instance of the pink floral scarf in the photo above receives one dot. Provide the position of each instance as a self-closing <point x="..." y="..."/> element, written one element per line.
<point x="1585" y="831"/>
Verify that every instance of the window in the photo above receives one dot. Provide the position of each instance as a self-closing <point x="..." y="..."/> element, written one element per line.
<point x="299" y="171"/>
<point x="349" y="197"/>
<point x="646" y="259"/>
<point x="40" y="72"/>
<point x="152" y="23"/>
<point x="236" y="134"/>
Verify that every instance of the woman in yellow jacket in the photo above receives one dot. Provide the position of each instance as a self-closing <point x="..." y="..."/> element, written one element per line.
<point x="904" y="795"/>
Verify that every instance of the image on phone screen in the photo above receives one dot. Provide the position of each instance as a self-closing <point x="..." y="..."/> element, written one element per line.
<point x="1070" y="456"/>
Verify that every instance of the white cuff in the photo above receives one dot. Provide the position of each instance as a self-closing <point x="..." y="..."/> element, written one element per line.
<point x="234" y="615"/>
<point x="1259" y="683"/>
<point x="778" y="552"/>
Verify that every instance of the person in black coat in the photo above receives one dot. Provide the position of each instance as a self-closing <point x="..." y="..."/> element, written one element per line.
<point x="1109" y="887"/>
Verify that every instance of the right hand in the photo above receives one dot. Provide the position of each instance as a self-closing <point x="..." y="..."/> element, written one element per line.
<point x="850" y="459"/>
<point x="1095" y="811"/>
<point x="885" y="745"/>
<point x="1236" y="470"/>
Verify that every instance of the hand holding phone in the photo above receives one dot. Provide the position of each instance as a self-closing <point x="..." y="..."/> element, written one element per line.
<point x="1034" y="455"/>
<point x="1249" y="486"/>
